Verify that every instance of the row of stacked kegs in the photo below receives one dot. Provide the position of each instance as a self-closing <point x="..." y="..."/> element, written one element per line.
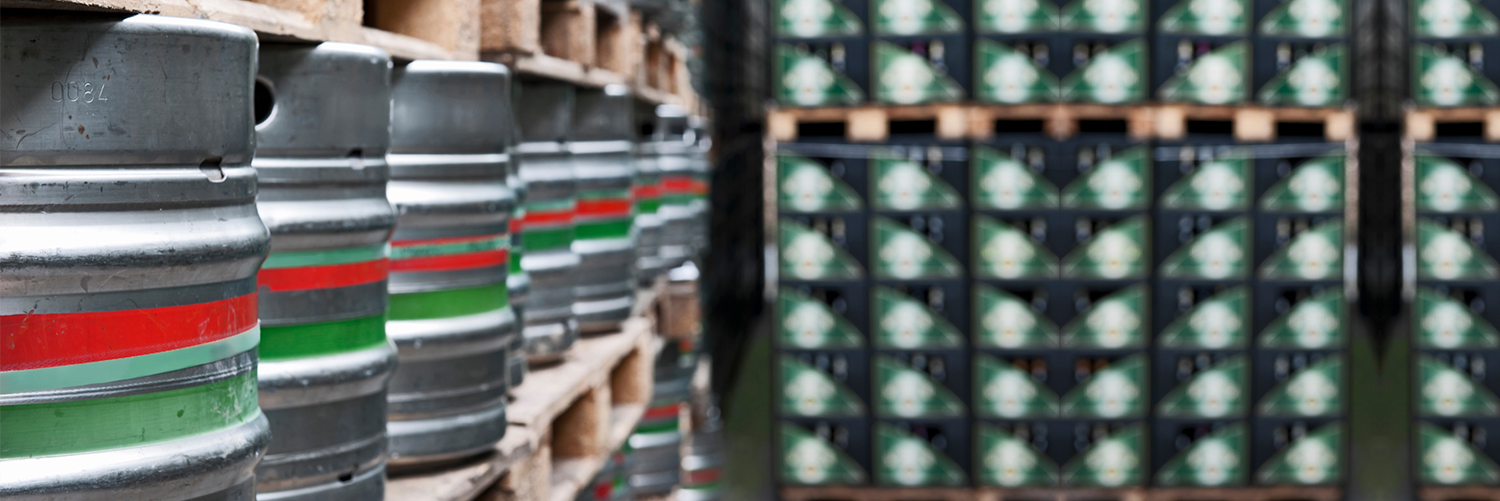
<point x="231" y="269"/>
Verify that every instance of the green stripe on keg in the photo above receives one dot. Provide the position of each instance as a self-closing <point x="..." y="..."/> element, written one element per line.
<point x="322" y="338"/>
<point x="542" y="239"/>
<point x="663" y="426"/>
<point x="52" y="429"/>
<point x="564" y="204"/>
<point x="449" y="303"/>
<point x="120" y="369"/>
<point x="604" y="230"/>
<point x="501" y="241"/>
<point x="647" y="205"/>
<point x="300" y="259"/>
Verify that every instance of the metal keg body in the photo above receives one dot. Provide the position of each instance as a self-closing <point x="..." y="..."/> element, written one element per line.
<point x="450" y="314"/>
<point x="602" y="152"/>
<point x="675" y="164"/>
<point x="648" y="221"/>
<point x="325" y="359"/>
<point x="128" y="260"/>
<point x="544" y="117"/>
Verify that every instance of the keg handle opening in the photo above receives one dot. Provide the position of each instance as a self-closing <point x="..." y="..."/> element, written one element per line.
<point x="212" y="169"/>
<point x="265" y="101"/>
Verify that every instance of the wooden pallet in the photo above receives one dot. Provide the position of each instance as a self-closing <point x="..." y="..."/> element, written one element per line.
<point x="565" y="420"/>
<point x="1285" y="493"/>
<point x="1060" y="121"/>
<point x="1423" y="124"/>
<point x="1251" y="123"/>
<point x="873" y="493"/>
<point x="1459" y="493"/>
<point x="870" y="123"/>
<point x="588" y="42"/>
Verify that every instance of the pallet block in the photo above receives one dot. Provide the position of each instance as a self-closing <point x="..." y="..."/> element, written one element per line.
<point x="511" y="26"/>
<point x="1076" y="494"/>
<point x="466" y="481"/>
<point x="1252" y="123"/>
<point x="1459" y="493"/>
<point x="1421" y="124"/>
<point x="452" y="24"/>
<point x="871" y="123"/>
<point x="620" y="47"/>
<point x="568" y="30"/>
<point x="679" y="313"/>
<point x="1279" y="493"/>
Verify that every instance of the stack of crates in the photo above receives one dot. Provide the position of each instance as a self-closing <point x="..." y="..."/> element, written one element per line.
<point x="1449" y="41"/>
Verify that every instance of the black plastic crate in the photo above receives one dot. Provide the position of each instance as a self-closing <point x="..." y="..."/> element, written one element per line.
<point x="1062" y="385"/>
<point x="822" y="316"/>
<point x="1299" y="247"/>
<point x="1299" y="384"/>
<point x="1457" y="451"/>
<point x="811" y="182"/>
<point x="844" y="236"/>
<point x="917" y="176"/>
<point x="1205" y="178"/>
<point x="1457" y="246"/>
<point x="1325" y="60"/>
<point x="1309" y="180"/>
<point x="1022" y="174"/>
<point x="1061" y="453"/>
<point x="946" y="56"/>
<point x="802" y="463"/>
<point x="822" y="384"/>
<point x="1456" y="315"/>
<point x="897" y="18"/>
<point x="1309" y="316"/>
<point x="842" y="59"/>
<point x="918" y="245"/>
<point x="920" y="384"/>
<point x="801" y="19"/>
<point x="921" y="452"/>
<point x="1298" y="451"/>
<point x="1173" y="60"/>
<point x="1458" y="384"/>
<point x="1203" y="246"/>
<point x="1072" y="52"/>
<point x="919" y="315"/>
<point x="1200" y="453"/>
<point x="1201" y="384"/>
<point x="1202" y="315"/>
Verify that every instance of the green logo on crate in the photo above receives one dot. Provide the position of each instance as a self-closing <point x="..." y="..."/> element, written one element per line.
<point x="1005" y="321"/>
<point x="1311" y="460"/>
<point x="1115" y="253"/>
<point x="1007" y="461"/>
<point x="1443" y="79"/>
<point x="1220" y="184"/>
<point x="901" y="184"/>
<point x="806" y="186"/>
<point x="1313" y="392"/>
<point x="906" y="460"/>
<point x="1217" y="460"/>
<point x="807" y="391"/>
<point x="1316" y="185"/>
<point x="1450" y="460"/>
<point x="1315" y="254"/>
<point x="1206" y="17"/>
<point x="1313" y="81"/>
<point x="807" y="459"/>
<point x="809" y="324"/>
<point x="1445" y="254"/>
<point x="1453" y="18"/>
<point x="1314" y="323"/>
<point x="1448" y="392"/>
<point x="1002" y="182"/>
<point x="1118" y="320"/>
<point x="1221" y="252"/>
<point x="902" y="77"/>
<point x="803" y="79"/>
<point x="816" y="18"/>
<point x="1114" y="461"/>
<point x="809" y="255"/>
<point x="1002" y="390"/>
<point x="1104" y="16"/>
<point x="1217" y="77"/>
<point x="1444" y="186"/>
<point x="1002" y="251"/>
<point x="1120" y="182"/>
<point x="1115" y="76"/>
<point x="904" y="392"/>
<point x="903" y="254"/>
<point x="1015" y="16"/>
<point x="1219" y="322"/>
<point x="1446" y="324"/>
<point x="904" y="323"/>
<point x="1117" y="391"/>
<point x="1221" y="391"/>
<point x="1305" y="18"/>
<point x="1007" y="76"/>
<point x="914" y="17"/>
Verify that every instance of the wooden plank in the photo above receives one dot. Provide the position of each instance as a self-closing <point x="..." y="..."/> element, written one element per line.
<point x="1459" y="493"/>
<point x="620" y="48"/>
<point x="465" y="482"/>
<point x="549" y="391"/>
<point x="510" y="26"/>
<point x="570" y="475"/>
<point x="568" y="30"/>
<point x="1268" y="493"/>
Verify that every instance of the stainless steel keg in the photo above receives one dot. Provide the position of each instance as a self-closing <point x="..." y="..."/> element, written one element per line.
<point x="450" y="313"/>
<point x="700" y="143"/>
<point x="544" y="115"/>
<point x="648" y="224"/>
<point x="674" y="162"/>
<point x="129" y="246"/>
<point x="601" y="143"/>
<point x="323" y="127"/>
<point x="519" y="281"/>
<point x="702" y="474"/>
<point x="656" y="443"/>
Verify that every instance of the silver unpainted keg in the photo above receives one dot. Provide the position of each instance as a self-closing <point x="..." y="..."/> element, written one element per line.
<point x="602" y="148"/>
<point x="128" y="260"/>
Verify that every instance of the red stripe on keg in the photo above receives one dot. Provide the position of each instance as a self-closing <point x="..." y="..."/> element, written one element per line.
<point x="663" y="412"/>
<point x="454" y="262"/>
<point x="35" y="341"/>
<point x="604" y="207"/>
<point x="441" y="241"/>
<point x="548" y="217"/>
<point x="323" y="277"/>
<point x="677" y="184"/>
<point x="646" y="192"/>
<point x="701" y="476"/>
